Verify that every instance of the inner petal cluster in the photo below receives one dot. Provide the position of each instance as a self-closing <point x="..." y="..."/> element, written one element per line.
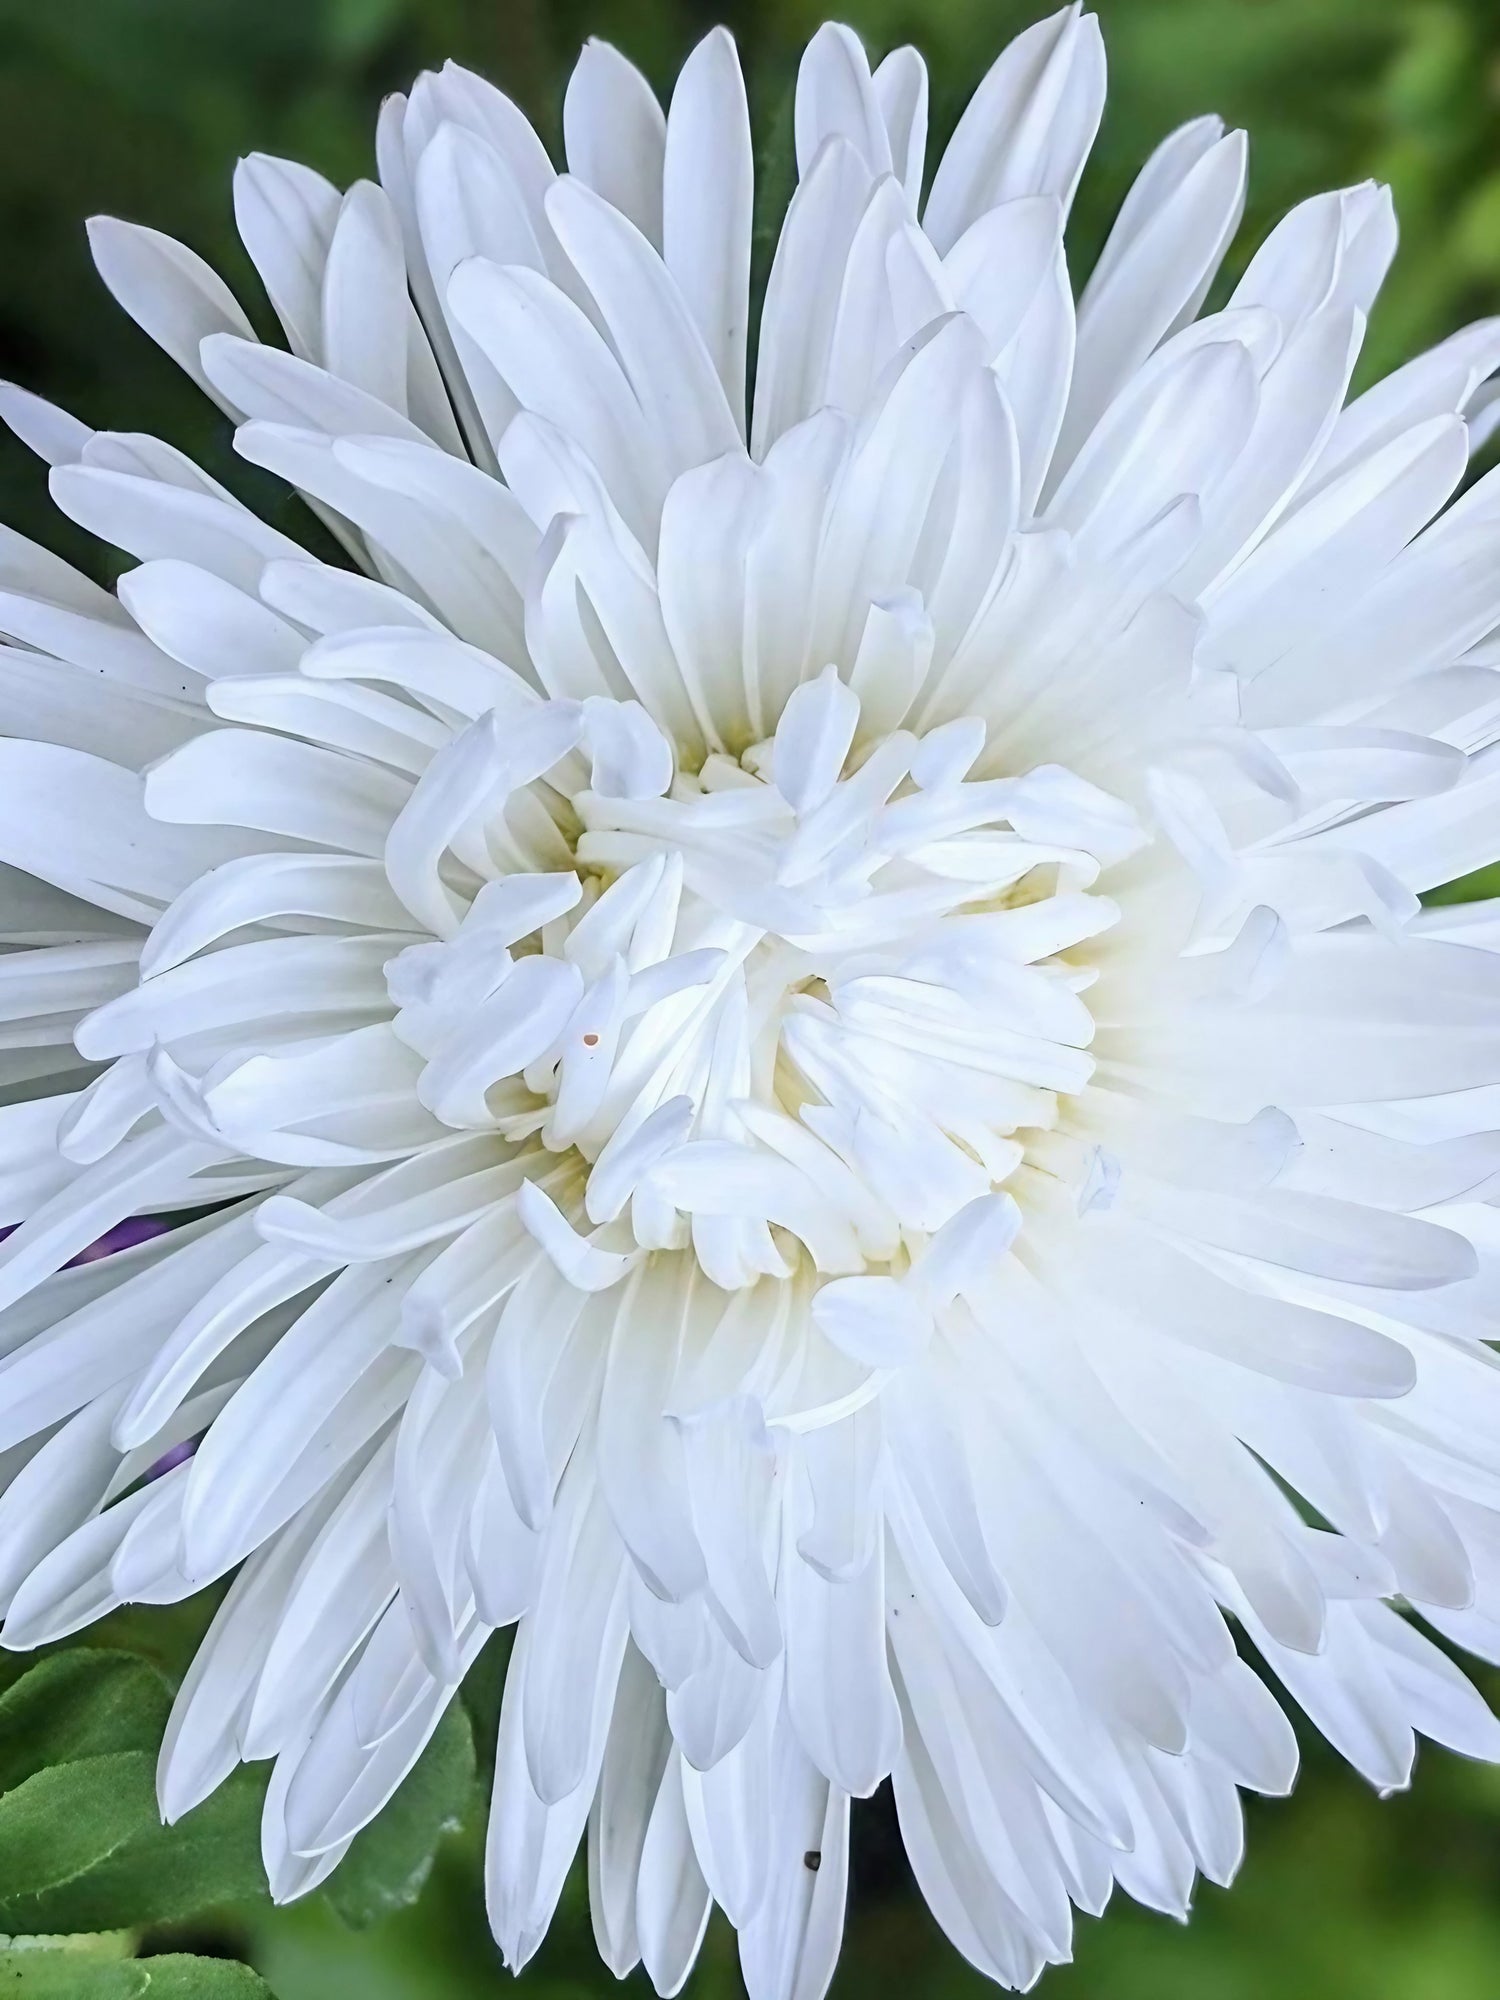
<point x="809" y="1000"/>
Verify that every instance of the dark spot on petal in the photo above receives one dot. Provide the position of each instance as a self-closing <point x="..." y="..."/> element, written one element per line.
<point x="591" y="1041"/>
<point x="812" y="1860"/>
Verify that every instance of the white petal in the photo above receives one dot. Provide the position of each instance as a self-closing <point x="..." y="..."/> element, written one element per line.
<point x="707" y="194"/>
<point x="166" y="289"/>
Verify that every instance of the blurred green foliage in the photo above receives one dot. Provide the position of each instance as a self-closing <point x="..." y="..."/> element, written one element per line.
<point x="139" y="107"/>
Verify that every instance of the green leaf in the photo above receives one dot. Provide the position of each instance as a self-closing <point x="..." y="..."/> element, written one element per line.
<point x="62" y="1821"/>
<point x="35" y="1973"/>
<point x="82" y="1848"/>
<point x="389" y="1862"/>
<point x="164" y="1874"/>
<point x="79" y="1704"/>
<point x="1473" y="888"/>
<point x="177" y="1977"/>
<point x="66" y="1975"/>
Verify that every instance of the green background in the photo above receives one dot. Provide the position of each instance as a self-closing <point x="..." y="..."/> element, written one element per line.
<point x="139" y="107"/>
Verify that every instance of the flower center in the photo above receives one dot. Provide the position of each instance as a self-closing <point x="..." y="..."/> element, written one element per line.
<point x="802" y="1002"/>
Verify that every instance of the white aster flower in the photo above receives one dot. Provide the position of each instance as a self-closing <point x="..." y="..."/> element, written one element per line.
<point x="804" y="1040"/>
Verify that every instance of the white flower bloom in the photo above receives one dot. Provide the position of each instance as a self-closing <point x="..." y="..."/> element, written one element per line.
<point x="804" y="1039"/>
